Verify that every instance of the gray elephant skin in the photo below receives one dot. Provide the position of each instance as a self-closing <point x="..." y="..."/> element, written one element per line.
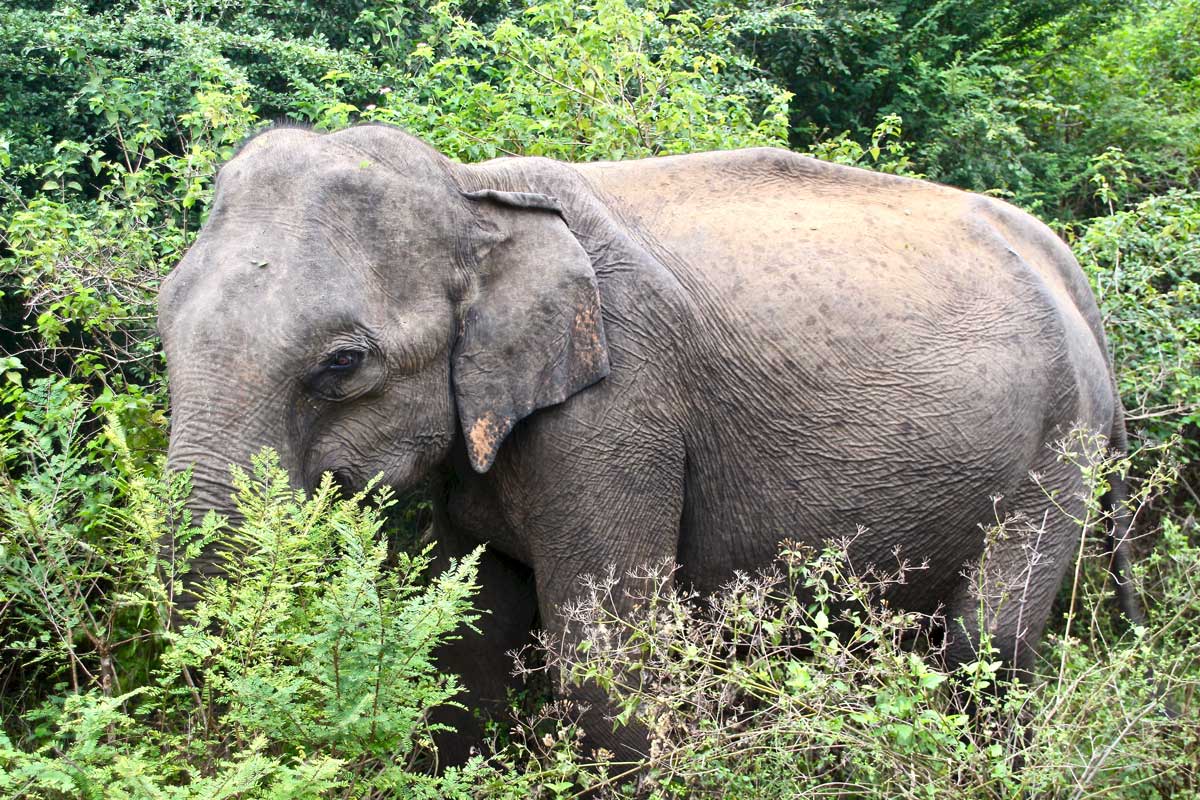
<point x="687" y="358"/>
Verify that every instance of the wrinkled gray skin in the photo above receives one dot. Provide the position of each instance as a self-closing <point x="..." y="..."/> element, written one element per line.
<point x="609" y="365"/>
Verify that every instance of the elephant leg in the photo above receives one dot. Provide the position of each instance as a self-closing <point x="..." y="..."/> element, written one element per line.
<point x="595" y="708"/>
<point x="482" y="659"/>
<point x="1009" y="594"/>
<point x="602" y="522"/>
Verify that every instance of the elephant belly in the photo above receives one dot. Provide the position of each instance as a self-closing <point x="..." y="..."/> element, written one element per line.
<point x="928" y="519"/>
<point x="900" y="445"/>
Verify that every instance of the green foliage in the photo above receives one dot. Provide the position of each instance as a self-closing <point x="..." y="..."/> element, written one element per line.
<point x="579" y="81"/>
<point x="319" y="683"/>
<point x="112" y="209"/>
<point x="324" y="647"/>
<point x="73" y="575"/>
<point x="799" y="682"/>
<point x="954" y="72"/>
<point x="1144" y="265"/>
<point x="1133" y="88"/>
<point x="1009" y="97"/>
<point x="885" y="152"/>
<point x="128" y="71"/>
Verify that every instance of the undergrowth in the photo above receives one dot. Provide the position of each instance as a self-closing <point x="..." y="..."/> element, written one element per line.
<point x="308" y="670"/>
<point x="801" y="681"/>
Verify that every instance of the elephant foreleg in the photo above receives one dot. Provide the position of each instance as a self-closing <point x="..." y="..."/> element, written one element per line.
<point x="482" y="659"/>
<point x="633" y="538"/>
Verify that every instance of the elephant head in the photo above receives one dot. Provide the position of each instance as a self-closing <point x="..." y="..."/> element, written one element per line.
<point x="352" y="305"/>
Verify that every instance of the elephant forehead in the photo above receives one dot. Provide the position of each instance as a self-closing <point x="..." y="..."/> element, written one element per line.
<point x="255" y="258"/>
<point x="298" y="168"/>
<point x="337" y="233"/>
<point x="347" y="216"/>
<point x="304" y="236"/>
<point x="257" y="289"/>
<point x="258" y="307"/>
<point x="245" y="296"/>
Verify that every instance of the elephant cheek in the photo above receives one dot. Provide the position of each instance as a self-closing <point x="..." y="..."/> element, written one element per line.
<point x="325" y="457"/>
<point x="401" y="436"/>
<point x="353" y="462"/>
<point x="407" y="465"/>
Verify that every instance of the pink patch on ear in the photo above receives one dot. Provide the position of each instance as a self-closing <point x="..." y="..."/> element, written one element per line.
<point x="483" y="439"/>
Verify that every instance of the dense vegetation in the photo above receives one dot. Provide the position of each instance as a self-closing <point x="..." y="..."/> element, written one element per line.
<point x="114" y="117"/>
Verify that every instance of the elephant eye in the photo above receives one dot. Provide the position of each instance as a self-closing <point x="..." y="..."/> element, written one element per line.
<point x="346" y="370"/>
<point x="344" y="360"/>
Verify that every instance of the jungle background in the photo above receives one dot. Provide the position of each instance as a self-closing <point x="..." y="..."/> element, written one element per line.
<point x="308" y="673"/>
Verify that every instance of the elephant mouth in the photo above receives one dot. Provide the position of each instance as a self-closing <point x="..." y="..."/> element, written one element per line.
<point x="346" y="481"/>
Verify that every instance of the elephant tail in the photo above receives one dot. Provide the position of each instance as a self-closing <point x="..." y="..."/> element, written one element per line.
<point x="1120" y="530"/>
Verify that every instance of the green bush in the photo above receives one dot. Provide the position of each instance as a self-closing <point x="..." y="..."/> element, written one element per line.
<point x="799" y="682"/>
<point x="958" y="74"/>
<point x="1015" y="98"/>
<point x="74" y="610"/>
<point x="1144" y="265"/>
<point x="113" y="120"/>
<point x="597" y="79"/>
<point x="1133" y="88"/>
<point x="306" y="672"/>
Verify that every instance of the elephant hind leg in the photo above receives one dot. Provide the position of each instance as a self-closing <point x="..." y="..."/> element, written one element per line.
<point x="1010" y="592"/>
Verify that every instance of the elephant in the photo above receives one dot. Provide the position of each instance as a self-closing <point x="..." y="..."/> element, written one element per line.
<point x="684" y="358"/>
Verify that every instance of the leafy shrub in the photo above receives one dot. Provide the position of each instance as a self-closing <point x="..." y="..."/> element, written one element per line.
<point x="112" y="210"/>
<point x="1013" y="98"/>
<point x="126" y="70"/>
<point x="580" y="81"/>
<point x="885" y="152"/>
<point x="1144" y="265"/>
<point x="798" y="681"/>
<point x="320" y="679"/>
<point x="73" y="575"/>
<point x="1133" y="88"/>
<point x="958" y="74"/>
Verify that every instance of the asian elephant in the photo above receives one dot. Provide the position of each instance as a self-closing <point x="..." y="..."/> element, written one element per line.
<point x="684" y="358"/>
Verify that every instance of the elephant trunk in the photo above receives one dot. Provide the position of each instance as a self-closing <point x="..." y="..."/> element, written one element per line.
<point x="212" y="490"/>
<point x="209" y="439"/>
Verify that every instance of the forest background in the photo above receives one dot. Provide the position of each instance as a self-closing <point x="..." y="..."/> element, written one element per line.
<point x="316" y="653"/>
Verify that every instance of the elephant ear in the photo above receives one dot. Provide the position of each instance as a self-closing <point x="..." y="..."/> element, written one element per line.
<point x="531" y="335"/>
